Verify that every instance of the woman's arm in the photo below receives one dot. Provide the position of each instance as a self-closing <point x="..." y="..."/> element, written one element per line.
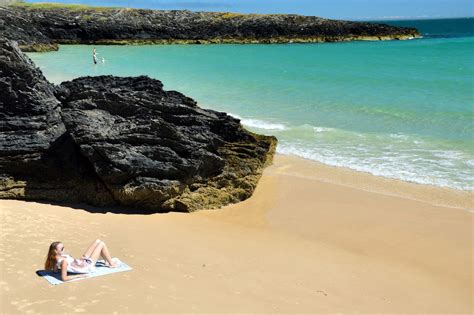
<point x="64" y="275"/>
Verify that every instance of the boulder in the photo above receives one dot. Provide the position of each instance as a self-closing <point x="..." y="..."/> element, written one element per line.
<point x="120" y="141"/>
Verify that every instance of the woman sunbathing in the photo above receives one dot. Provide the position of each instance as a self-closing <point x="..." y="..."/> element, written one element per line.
<point x="57" y="259"/>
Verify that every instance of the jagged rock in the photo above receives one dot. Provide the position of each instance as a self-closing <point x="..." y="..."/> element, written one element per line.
<point x="41" y="27"/>
<point x="119" y="141"/>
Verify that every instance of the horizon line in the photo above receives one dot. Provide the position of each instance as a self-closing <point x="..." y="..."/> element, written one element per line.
<point x="409" y="18"/>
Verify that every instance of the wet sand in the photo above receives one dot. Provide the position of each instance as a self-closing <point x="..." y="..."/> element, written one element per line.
<point x="312" y="239"/>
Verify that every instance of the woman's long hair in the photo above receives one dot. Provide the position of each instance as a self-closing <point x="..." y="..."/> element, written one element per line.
<point x="51" y="258"/>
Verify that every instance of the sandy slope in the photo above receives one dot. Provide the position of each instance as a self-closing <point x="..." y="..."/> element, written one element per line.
<point x="311" y="239"/>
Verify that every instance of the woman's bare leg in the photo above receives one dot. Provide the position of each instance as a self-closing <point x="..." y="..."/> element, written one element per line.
<point x="91" y="248"/>
<point x="102" y="250"/>
<point x="107" y="257"/>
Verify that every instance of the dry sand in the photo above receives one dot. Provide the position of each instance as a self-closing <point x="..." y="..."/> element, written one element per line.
<point x="312" y="239"/>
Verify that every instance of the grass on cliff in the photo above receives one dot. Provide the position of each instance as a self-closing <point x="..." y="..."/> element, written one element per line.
<point x="83" y="7"/>
<point x="58" y="6"/>
<point x="231" y="15"/>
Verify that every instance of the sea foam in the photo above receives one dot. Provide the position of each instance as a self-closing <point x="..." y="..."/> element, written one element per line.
<point x="259" y="124"/>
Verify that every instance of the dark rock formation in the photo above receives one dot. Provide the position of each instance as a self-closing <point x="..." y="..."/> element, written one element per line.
<point x="119" y="141"/>
<point x="43" y="26"/>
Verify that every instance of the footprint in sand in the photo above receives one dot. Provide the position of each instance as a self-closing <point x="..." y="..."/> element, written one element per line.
<point x="322" y="292"/>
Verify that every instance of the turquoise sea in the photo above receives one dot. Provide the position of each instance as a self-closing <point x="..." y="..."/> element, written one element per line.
<point x="398" y="109"/>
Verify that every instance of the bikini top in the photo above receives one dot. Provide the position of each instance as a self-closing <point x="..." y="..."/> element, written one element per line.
<point x="68" y="258"/>
<point x="75" y="265"/>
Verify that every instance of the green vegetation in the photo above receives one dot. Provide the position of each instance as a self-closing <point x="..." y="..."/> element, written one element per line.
<point x="245" y="16"/>
<point x="39" y="47"/>
<point x="57" y="6"/>
<point x="229" y="15"/>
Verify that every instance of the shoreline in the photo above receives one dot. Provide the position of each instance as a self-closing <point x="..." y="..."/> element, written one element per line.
<point x="457" y="183"/>
<point x="297" y="245"/>
<point x="431" y="194"/>
<point x="54" y="46"/>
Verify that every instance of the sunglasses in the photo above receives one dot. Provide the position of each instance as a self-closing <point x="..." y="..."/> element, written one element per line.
<point x="61" y="249"/>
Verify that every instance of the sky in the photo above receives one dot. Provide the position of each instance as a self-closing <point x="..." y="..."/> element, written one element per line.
<point x="336" y="9"/>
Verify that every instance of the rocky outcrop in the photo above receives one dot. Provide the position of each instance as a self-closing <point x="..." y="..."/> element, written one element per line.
<point x="119" y="141"/>
<point x="40" y="27"/>
<point x="30" y="125"/>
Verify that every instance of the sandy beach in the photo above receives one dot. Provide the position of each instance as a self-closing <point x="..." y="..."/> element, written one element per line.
<point x="312" y="239"/>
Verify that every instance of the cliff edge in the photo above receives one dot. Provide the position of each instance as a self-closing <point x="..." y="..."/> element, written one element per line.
<point x="40" y="27"/>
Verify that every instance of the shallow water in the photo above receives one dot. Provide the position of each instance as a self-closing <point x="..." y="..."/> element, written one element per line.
<point x="399" y="109"/>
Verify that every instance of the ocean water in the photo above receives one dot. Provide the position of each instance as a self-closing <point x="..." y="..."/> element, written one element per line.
<point x="398" y="109"/>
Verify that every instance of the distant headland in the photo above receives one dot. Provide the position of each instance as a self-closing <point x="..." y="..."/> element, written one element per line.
<point x="41" y="27"/>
